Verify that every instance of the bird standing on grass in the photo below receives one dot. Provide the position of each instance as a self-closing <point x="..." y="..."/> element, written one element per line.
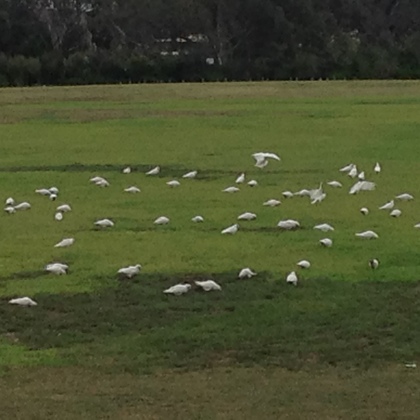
<point x="23" y="301"/>
<point x="303" y="264"/>
<point x="292" y="278"/>
<point x="208" y="285"/>
<point x="367" y="234"/>
<point x="240" y="179"/>
<point x="231" y="230"/>
<point x="190" y="175"/>
<point x="154" y="171"/>
<point x="57" y="268"/>
<point x="64" y="243"/>
<point x="246" y="273"/>
<point x="104" y="223"/>
<point x="178" y="289"/>
<point x="327" y="242"/>
<point x="162" y="220"/>
<point x="130" y="271"/>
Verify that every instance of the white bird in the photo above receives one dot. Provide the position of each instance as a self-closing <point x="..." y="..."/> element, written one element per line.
<point x="104" y="223"/>
<point x="240" y="179"/>
<point x="303" y="193"/>
<point x="126" y="170"/>
<point x="64" y="208"/>
<point x="368" y="234"/>
<point x="197" y="219"/>
<point x="395" y="213"/>
<point x="231" y="230"/>
<point x="58" y="216"/>
<point x="288" y="224"/>
<point x="361" y="176"/>
<point x="10" y="201"/>
<point x="252" y="183"/>
<point x="364" y="211"/>
<point x="190" y="175"/>
<point x="292" y="278"/>
<point x="53" y="197"/>
<point x="417" y="226"/>
<point x="132" y="190"/>
<point x="178" y="289"/>
<point x="387" y="206"/>
<point x="10" y="209"/>
<point x="23" y="206"/>
<point x="57" y="268"/>
<point x="303" y="264"/>
<point x="324" y="227"/>
<point x="162" y="220"/>
<point x="374" y="263"/>
<point x="315" y="192"/>
<point x="377" y="168"/>
<point x="208" y="285"/>
<point x="353" y="172"/>
<point x="261" y="163"/>
<point x="261" y="158"/>
<point x="272" y="202"/>
<point x="96" y="179"/>
<point x="247" y="216"/>
<point x="231" y="189"/>
<point x="327" y="242"/>
<point x="43" y="191"/>
<point x="154" y="171"/>
<point x="347" y="168"/>
<point x="411" y="365"/>
<point x="23" y="301"/>
<point x="404" y="197"/>
<point x="64" y="243"/>
<point x="362" y="186"/>
<point x="102" y="183"/>
<point x="317" y="195"/>
<point x="56" y="264"/>
<point x="130" y="271"/>
<point x="173" y="183"/>
<point x="335" y="184"/>
<point x="318" y="198"/>
<point x="246" y="273"/>
<point x="53" y="190"/>
<point x="265" y="155"/>
<point x="287" y="194"/>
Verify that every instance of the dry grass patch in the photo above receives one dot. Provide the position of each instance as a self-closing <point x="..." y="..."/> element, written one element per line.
<point x="241" y="393"/>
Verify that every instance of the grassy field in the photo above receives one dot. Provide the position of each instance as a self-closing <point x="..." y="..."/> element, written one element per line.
<point x="99" y="347"/>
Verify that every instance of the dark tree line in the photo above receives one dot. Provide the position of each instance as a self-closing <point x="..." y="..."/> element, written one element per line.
<point x="102" y="41"/>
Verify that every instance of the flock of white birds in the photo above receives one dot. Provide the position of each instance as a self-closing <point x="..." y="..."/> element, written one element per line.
<point x="261" y="160"/>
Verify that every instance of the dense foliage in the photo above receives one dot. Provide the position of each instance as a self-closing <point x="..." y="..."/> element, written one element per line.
<point x="74" y="41"/>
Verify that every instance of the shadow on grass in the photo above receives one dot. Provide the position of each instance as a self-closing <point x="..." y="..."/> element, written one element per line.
<point x="262" y="320"/>
<point x="175" y="171"/>
<point x="24" y="275"/>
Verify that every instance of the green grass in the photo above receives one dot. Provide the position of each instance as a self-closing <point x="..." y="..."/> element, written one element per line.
<point x="341" y="316"/>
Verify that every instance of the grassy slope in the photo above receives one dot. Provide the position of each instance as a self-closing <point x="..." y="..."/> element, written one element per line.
<point x="342" y="315"/>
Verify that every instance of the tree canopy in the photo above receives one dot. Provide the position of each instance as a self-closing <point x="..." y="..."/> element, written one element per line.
<point x="75" y="41"/>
